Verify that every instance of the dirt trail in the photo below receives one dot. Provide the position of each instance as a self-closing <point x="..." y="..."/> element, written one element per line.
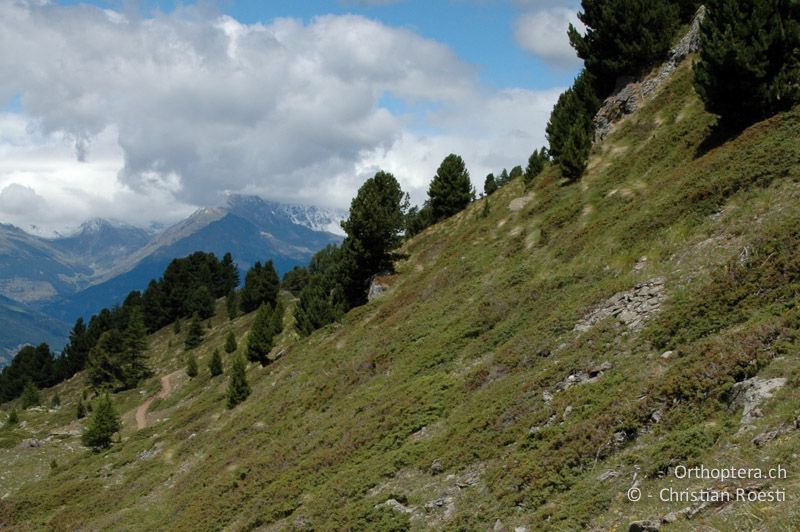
<point x="141" y="412"/>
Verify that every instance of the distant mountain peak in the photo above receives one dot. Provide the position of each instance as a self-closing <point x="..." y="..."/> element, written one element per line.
<point x="311" y="217"/>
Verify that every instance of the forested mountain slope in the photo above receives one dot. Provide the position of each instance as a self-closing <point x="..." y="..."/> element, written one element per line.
<point x="532" y="361"/>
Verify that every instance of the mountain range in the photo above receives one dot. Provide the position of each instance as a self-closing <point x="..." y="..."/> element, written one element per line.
<point x="100" y="263"/>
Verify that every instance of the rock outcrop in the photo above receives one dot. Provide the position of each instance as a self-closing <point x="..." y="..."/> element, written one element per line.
<point x="632" y="308"/>
<point x="749" y="394"/>
<point x="630" y="94"/>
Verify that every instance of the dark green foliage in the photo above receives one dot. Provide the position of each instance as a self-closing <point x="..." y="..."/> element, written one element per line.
<point x="259" y="341"/>
<point x="687" y="8"/>
<point x="232" y="305"/>
<point x="535" y="166"/>
<point x="516" y="172"/>
<point x="570" y="129"/>
<point x="486" y="209"/>
<point x="374" y="228"/>
<point x="489" y="185"/>
<point x="321" y="300"/>
<point x="102" y="425"/>
<point x="623" y="37"/>
<point x="13" y="417"/>
<point x="117" y="358"/>
<point x="195" y="334"/>
<point x="294" y="280"/>
<point x="503" y="178"/>
<point x="418" y="219"/>
<point x="189" y="285"/>
<point x="750" y="52"/>
<point x="176" y="327"/>
<point x="261" y="285"/>
<point x="191" y="366"/>
<point x="80" y="410"/>
<point x="215" y="364"/>
<point x="30" y="396"/>
<point x="30" y="364"/>
<point x="238" y="389"/>
<point x="230" y="342"/>
<point x="55" y="402"/>
<point x="451" y="190"/>
<point x="202" y="302"/>
<point x="73" y="359"/>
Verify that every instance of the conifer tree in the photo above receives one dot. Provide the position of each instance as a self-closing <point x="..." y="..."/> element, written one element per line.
<point x="191" y="366"/>
<point x="230" y="343"/>
<point x="238" y="389"/>
<point x="232" y="305"/>
<point x="451" y="189"/>
<point x="215" y="364"/>
<point x="30" y="396"/>
<point x="503" y="179"/>
<point x="489" y="185"/>
<point x="102" y="425"/>
<point x="515" y="173"/>
<point x="623" y="37"/>
<point x="374" y="228"/>
<point x="13" y="417"/>
<point x="176" y="327"/>
<point x="133" y="364"/>
<point x="261" y="285"/>
<point x="201" y="301"/>
<point x="749" y="65"/>
<point x="276" y="320"/>
<point x="55" y="402"/>
<point x="80" y="410"/>
<point x="259" y="341"/>
<point x="535" y="166"/>
<point x="194" y="336"/>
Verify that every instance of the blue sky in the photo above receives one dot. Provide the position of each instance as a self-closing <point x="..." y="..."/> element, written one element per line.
<point x="144" y="111"/>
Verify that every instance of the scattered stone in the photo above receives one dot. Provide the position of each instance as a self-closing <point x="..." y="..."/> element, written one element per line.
<point x="645" y="526"/>
<point x="674" y="517"/>
<point x="766" y="437"/>
<point x="666" y="355"/>
<point x="397" y="506"/>
<point x="632" y="308"/>
<point x="518" y="203"/>
<point x="631" y="94"/>
<point x="498" y="526"/>
<point x="436" y="467"/>
<point x="567" y="412"/>
<point x="749" y="394"/>
<point x="608" y="475"/>
<point x="547" y="396"/>
<point x="31" y="443"/>
<point x="582" y="377"/>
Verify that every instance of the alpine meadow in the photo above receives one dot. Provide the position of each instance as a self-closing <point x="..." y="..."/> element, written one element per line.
<point x="604" y="337"/>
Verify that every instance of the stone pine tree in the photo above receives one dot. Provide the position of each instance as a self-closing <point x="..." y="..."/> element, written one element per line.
<point x="261" y="285"/>
<point x="13" y="417"/>
<point x="30" y="396"/>
<point x="535" y="166"/>
<point x="489" y="185"/>
<point x="102" y="425"/>
<point x="191" y="366"/>
<point x="451" y="189"/>
<point x="259" y="341"/>
<point x="623" y="37"/>
<point x="135" y="346"/>
<point x="238" y="389"/>
<point x="232" y="305"/>
<point x="374" y="228"/>
<point x="80" y="410"/>
<point x="749" y="65"/>
<point x="230" y="343"/>
<point x="215" y="364"/>
<point x="176" y="326"/>
<point x="194" y="336"/>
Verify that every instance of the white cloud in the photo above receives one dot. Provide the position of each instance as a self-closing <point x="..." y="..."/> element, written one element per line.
<point x="544" y="33"/>
<point x="142" y="118"/>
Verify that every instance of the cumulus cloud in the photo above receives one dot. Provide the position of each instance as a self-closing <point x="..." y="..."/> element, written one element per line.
<point x="544" y="33"/>
<point x="16" y="199"/>
<point x="146" y="117"/>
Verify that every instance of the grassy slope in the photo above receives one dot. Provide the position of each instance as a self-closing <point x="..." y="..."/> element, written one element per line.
<point x="452" y="363"/>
